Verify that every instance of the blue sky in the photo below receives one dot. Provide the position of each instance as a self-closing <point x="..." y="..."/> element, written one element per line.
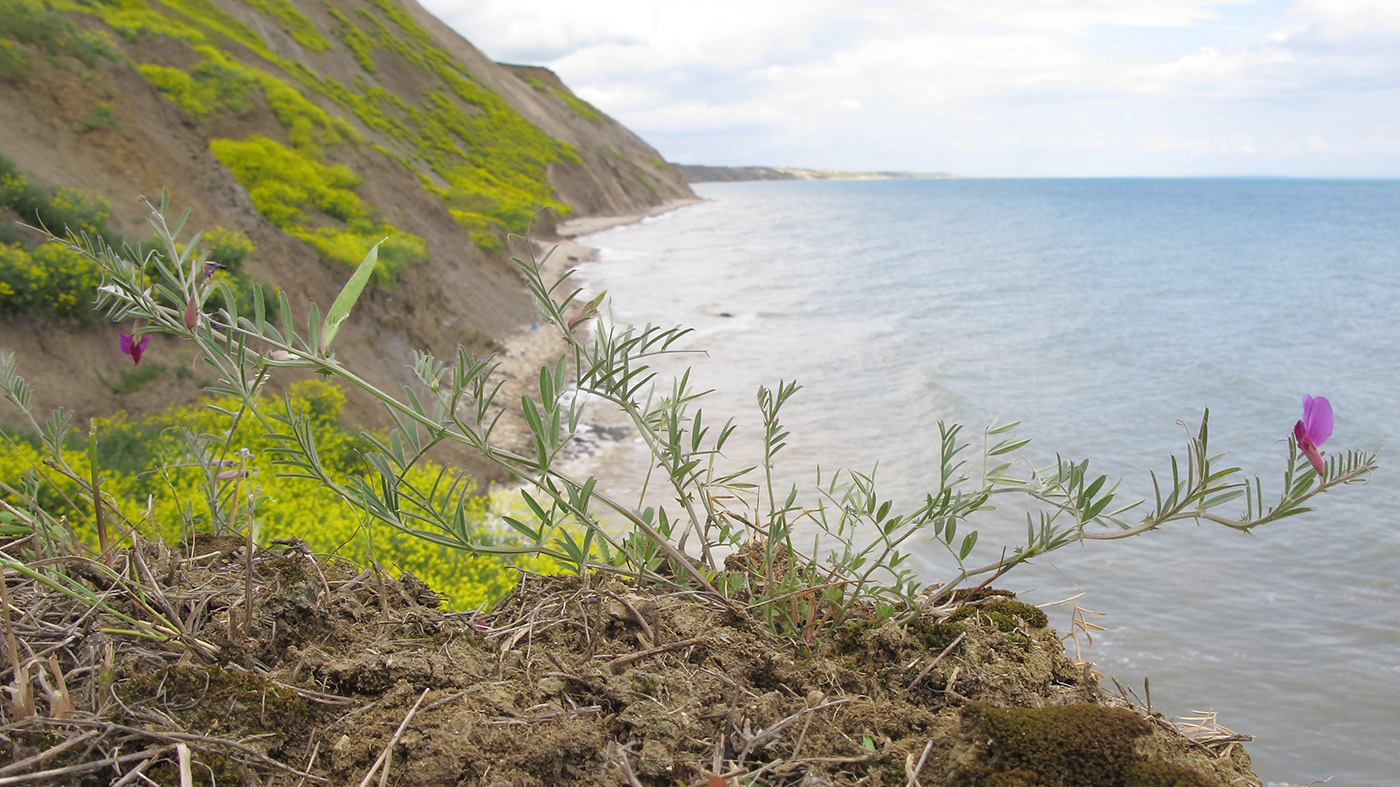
<point x="978" y="87"/>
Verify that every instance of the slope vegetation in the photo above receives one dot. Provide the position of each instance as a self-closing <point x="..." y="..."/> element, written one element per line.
<point x="313" y="129"/>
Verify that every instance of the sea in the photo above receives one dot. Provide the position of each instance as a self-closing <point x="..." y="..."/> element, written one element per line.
<point x="1106" y="316"/>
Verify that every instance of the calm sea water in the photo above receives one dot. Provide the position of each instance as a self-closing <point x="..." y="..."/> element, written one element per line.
<point x="1099" y="313"/>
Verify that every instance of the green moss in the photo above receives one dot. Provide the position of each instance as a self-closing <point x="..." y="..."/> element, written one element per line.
<point x="851" y="638"/>
<point x="1066" y="746"/>
<point x="220" y="701"/>
<point x="1162" y="774"/>
<point x="934" y="636"/>
<point x="1005" y="615"/>
<point x="977" y="594"/>
<point x="646" y="684"/>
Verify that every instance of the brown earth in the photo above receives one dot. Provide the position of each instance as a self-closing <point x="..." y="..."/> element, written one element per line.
<point x="345" y="678"/>
<point x="461" y="295"/>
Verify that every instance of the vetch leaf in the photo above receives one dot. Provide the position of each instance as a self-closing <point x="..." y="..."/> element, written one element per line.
<point x="1007" y="446"/>
<point x="345" y="301"/>
<point x="969" y="541"/>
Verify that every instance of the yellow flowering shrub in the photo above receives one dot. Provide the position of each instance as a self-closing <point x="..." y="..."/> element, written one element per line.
<point x="50" y="279"/>
<point x="301" y="29"/>
<point x="228" y="247"/>
<point x="286" y="185"/>
<point x="148" y="458"/>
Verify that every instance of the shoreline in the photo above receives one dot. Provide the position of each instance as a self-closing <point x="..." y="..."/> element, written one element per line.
<point x="568" y="248"/>
<point x="532" y="346"/>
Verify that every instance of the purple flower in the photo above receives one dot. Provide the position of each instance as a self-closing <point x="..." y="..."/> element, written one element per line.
<point x="1314" y="429"/>
<point x="133" y="346"/>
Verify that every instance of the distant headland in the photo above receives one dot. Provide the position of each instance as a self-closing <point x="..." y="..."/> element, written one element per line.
<point x="696" y="173"/>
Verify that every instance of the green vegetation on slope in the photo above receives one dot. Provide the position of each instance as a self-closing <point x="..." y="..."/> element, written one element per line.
<point x="580" y="107"/>
<point x="28" y="27"/>
<point x="466" y="145"/>
<point x="53" y="280"/>
<point x="168" y="458"/>
<point x="284" y="184"/>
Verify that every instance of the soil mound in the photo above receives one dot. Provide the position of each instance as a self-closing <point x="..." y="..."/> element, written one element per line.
<point x="177" y="671"/>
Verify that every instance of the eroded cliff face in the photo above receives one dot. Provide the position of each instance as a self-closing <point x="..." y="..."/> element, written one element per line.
<point x="312" y="128"/>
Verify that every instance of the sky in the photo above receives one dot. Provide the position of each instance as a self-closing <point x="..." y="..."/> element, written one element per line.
<point x="992" y="88"/>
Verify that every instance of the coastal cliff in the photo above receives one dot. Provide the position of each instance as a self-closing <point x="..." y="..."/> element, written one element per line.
<point x="699" y="173"/>
<point x="311" y="130"/>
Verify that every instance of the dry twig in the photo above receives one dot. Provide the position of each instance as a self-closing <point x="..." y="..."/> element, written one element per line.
<point x="386" y="756"/>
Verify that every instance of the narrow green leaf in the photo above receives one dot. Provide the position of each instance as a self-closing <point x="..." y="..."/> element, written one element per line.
<point x="969" y="541"/>
<point x="179" y="223"/>
<point x="1097" y="508"/>
<point x="313" y="329"/>
<point x="349" y="295"/>
<point x="532" y="415"/>
<point x="1007" y="446"/>
<point x="546" y="386"/>
<point x="1002" y="428"/>
<point x="259" y="310"/>
<point x="1222" y="498"/>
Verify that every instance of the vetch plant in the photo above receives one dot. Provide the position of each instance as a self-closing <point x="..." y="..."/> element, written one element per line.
<point x="727" y="531"/>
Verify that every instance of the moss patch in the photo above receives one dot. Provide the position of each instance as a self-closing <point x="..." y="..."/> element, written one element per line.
<point x="1066" y="746"/>
<point x="223" y="702"/>
<point x="1005" y="615"/>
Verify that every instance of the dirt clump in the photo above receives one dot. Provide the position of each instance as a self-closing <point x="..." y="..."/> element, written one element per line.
<point x="319" y="673"/>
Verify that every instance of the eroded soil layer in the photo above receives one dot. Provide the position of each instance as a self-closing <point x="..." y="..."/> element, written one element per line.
<point x="335" y="677"/>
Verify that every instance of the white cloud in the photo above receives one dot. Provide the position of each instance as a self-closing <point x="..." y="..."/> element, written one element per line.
<point x="930" y="84"/>
<point x="544" y="29"/>
<point x="1354" y="14"/>
<point x="1208" y="65"/>
<point x="693" y="116"/>
<point x="844" y="105"/>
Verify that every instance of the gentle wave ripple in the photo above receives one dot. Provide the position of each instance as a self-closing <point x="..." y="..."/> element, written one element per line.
<point x="1098" y="312"/>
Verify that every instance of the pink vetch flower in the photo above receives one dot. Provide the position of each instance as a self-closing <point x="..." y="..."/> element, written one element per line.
<point x="133" y="346"/>
<point x="1314" y="429"/>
